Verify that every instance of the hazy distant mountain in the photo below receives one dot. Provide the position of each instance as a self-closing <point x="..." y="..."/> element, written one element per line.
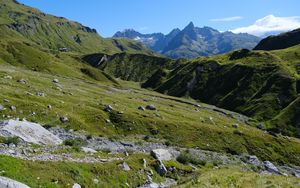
<point x="284" y="40"/>
<point x="192" y="41"/>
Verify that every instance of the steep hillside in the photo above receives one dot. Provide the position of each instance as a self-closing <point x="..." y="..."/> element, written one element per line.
<point x="284" y="40"/>
<point x="258" y="84"/>
<point x="192" y="41"/>
<point x="56" y="33"/>
<point x="133" y="67"/>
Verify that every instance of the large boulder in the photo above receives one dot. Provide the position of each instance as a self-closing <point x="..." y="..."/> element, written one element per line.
<point x="161" y="154"/>
<point x="9" y="183"/>
<point x="28" y="132"/>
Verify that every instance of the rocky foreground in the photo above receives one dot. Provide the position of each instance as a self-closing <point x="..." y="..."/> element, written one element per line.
<point x="39" y="144"/>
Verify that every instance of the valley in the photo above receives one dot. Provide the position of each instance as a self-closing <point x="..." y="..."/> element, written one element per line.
<point x="79" y="110"/>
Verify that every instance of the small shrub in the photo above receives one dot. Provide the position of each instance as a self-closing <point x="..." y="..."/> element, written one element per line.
<point x="77" y="142"/>
<point x="186" y="158"/>
<point x="10" y="140"/>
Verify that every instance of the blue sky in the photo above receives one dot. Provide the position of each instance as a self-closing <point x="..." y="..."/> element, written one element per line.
<point x="147" y="16"/>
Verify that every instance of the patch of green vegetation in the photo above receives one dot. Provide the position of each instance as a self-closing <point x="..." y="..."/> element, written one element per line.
<point x="65" y="174"/>
<point x="10" y="140"/>
<point x="236" y="177"/>
<point x="187" y="158"/>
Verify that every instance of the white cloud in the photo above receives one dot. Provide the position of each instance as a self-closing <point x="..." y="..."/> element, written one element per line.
<point x="228" y="19"/>
<point x="270" y="25"/>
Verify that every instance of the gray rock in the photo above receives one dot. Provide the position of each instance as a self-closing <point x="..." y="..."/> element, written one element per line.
<point x="161" y="168"/>
<point x="76" y="185"/>
<point x="108" y="108"/>
<point x="125" y="166"/>
<point x="253" y="160"/>
<point x="95" y="181"/>
<point x="9" y="183"/>
<point x="7" y="77"/>
<point x="270" y="167"/>
<point x="235" y="125"/>
<point x="40" y="94"/>
<point x="161" y="154"/>
<point x="1" y="107"/>
<point x="22" y="81"/>
<point x="144" y="163"/>
<point x="55" y="81"/>
<point x="5" y="100"/>
<point x="64" y="119"/>
<point x="141" y="108"/>
<point x="150" y="107"/>
<point x="296" y="173"/>
<point x="28" y="132"/>
<point x="13" y="108"/>
<point x="88" y="150"/>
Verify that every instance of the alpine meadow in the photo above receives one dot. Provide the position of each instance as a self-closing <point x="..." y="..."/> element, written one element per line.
<point x="167" y="105"/>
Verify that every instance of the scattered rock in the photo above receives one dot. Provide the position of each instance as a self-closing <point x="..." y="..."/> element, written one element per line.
<point x="1" y="107"/>
<point x="144" y="163"/>
<point x="13" y="108"/>
<point x="5" y="100"/>
<point x="55" y="81"/>
<point x="76" y="185"/>
<point x="22" y="81"/>
<point x="49" y="107"/>
<point x="252" y="159"/>
<point x="41" y="94"/>
<point x="108" y="108"/>
<point x="64" y="119"/>
<point x="108" y="121"/>
<point x="30" y="94"/>
<point x="296" y="173"/>
<point x="88" y="150"/>
<point x="9" y="183"/>
<point x="28" y="132"/>
<point x="235" y="125"/>
<point x="7" y="77"/>
<point x="161" y="168"/>
<point x="125" y="166"/>
<point x="270" y="167"/>
<point x="141" y="108"/>
<point x="95" y="181"/>
<point x="161" y="154"/>
<point x="150" y="107"/>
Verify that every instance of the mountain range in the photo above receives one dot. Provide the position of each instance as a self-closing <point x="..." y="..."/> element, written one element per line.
<point x="192" y="41"/>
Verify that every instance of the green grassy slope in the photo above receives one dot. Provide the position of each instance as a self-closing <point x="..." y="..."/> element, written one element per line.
<point x="259" y="84"/>
<point x="53" y="32"/>
<point x="133" y="67"/>
<point x="82" y="100"/>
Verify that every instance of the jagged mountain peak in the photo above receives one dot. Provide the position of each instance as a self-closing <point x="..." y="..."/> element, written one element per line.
<point x="193" y="41"/>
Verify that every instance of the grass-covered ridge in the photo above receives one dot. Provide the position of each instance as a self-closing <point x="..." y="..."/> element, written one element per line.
<point x="54" y="32"/>
<point x="256" y="83"/>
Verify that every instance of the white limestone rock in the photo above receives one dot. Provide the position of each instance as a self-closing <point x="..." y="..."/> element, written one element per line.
<point x="28" y="132"/>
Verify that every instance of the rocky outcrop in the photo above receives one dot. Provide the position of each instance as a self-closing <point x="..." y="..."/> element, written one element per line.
<point x="28" y="132"/>
<point x="161" y="154"/>
<point x="9" y="183"/>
